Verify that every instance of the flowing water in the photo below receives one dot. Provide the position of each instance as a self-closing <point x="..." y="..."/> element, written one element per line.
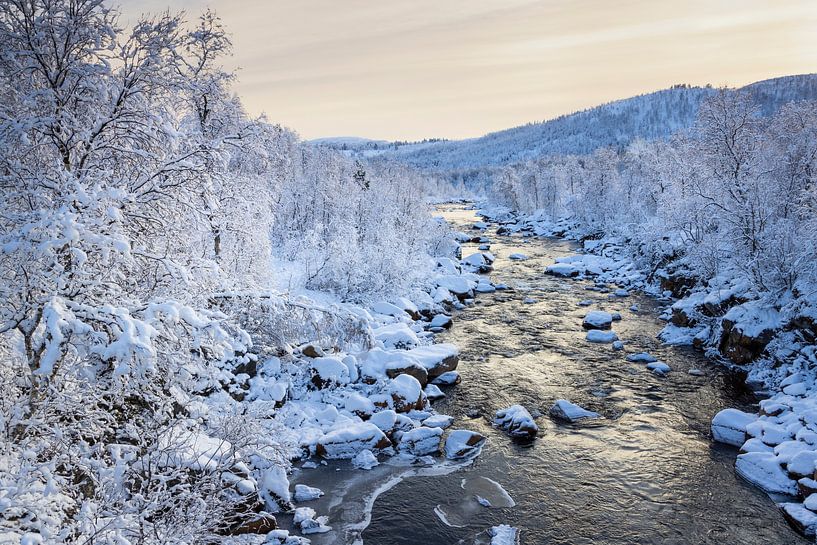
<point x="646" y="473"/>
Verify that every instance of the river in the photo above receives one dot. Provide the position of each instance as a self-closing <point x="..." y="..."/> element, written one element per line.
<point x="646" y="473"/>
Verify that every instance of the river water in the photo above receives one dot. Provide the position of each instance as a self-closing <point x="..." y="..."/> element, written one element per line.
<point x="646" y="473"/>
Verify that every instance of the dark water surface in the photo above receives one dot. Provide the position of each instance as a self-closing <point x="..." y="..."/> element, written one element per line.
<point x="647" y="473"/>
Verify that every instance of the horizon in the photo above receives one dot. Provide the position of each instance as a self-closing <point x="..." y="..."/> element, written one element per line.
<point x="465" y="69"/>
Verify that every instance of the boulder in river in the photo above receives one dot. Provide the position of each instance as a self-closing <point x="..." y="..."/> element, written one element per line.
<point x="441" y="320"/>
<point x="306" y="493"/>
<point x="449" y="378"/>
<point x="565" y="270"/>
<point x="659" y="367"/>
<point x="517" y="421"/>
<point x="463" y="443"/>
<point x="641" y="357"/>
<point x="597" y="319"/>
<point x="570" y="412"/>
<point x="599" y="336"/>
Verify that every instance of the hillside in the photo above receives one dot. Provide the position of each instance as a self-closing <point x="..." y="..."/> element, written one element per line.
<point x="648" y="116"/>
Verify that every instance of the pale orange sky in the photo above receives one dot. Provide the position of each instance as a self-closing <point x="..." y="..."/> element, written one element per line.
<point x="412" y="69"/>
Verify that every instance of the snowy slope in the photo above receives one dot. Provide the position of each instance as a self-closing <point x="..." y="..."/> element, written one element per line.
<point x="648" y="116"/>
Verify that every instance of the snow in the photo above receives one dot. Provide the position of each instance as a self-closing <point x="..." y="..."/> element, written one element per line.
<point x="517" y="257"/>
<point x="517" y="421"/>
<point x="599" y="336"/>
<point x="563" y="409"/>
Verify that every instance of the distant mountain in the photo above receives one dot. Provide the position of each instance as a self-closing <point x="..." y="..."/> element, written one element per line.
<point x="616" y="124"/>
<point x="366" y="146"/>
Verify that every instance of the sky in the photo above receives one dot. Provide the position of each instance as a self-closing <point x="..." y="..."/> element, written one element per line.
<point x="414" y="69"/>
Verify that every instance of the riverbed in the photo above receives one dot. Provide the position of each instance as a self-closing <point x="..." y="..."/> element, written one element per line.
<point x="647" y="472"/>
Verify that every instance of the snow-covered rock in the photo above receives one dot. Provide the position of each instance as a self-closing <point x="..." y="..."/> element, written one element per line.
<point x="359" y="405"/>
<point x="350" y="439"/>
<point x="463" y="444"/>
<point x="438" y="421"/>
<point x="421" y="441"/>
<point x="388" y="309"/>
<point x="478" y="262"/>
<point x="455" y="284"/>
<point x="562" y="269"/>
<point x="659" y="367"/>
<point x="802" y="518"/>
<point x="282" y="537"/>
<point x="729" y="426"/>
<point x="406" y="393"/>
<point x="763" y="470"/>
<point x="517" y="421"/>
<point x="436" y="358"/>
<point x="310" y="524"/>
<point x="448" y="378"/>
<point x="565" y="410"/>
<point x="600" y="336"/>
<point x="306" y="493"/>
<point x="641" y="357"/>
<point x="440" y="321"/>
<point x="597" y="319"/>
<point x="802" y="464"/>
<point x="397" y="335"/>
<point x="433" y="392"/>
<point x="517" y="257"/>
<point x="327" y="372"/>
<point x="365" y="459"/>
